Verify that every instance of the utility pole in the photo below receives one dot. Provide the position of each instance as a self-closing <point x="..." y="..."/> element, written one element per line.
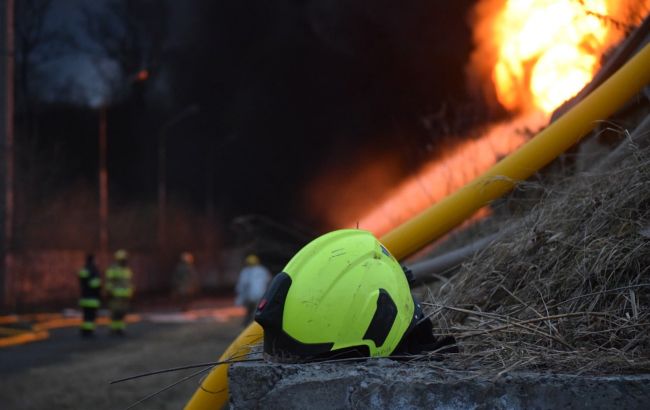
<point x="104" y="243"/>
<point x="6" y="144"/>
<point x="103" y="187"/>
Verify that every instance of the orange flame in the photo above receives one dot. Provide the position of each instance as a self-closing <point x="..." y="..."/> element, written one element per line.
<point x="454" y="169"/>
<point x="534" y="54"/>
<point x="548" y="50"/>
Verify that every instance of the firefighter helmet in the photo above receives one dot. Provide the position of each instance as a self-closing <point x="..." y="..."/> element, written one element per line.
<point x="252" y="260"/>
<point x="187" y="257"/>
<point x="342" y="294"/>
<point x="121" y="255"/>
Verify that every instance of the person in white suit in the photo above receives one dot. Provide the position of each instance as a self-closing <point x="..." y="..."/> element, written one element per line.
<point x="252" y="283"/>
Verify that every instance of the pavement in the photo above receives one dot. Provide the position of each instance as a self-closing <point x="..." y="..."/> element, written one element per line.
<point x="16" y="329"/>
<point x="65" y="371"/>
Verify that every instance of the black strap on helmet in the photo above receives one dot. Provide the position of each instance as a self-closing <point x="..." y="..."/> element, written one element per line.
<point x="419" y="337"/>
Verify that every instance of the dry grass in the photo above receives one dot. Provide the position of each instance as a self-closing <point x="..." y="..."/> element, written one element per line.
<point x="568" y="290"/>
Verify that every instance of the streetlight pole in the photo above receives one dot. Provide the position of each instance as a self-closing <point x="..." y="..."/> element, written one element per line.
<point x="162" y="188"/>
<point x="162" y="170"/>
<point x="211" y="153"/>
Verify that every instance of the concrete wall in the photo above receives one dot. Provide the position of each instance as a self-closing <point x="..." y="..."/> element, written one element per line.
<point x="385" y="384"/>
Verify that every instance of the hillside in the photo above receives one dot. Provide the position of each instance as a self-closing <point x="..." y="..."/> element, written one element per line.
<point x="567" y="287"/>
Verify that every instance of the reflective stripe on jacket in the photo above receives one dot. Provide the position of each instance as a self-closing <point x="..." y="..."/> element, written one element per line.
<point x="89" y="282"/>
<point x="89" y="303"/>
<point x="118" y="281"/>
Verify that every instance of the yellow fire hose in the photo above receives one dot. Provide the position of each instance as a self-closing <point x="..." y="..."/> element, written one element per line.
<point x="451" y="211"/>
<point x="536" y="153"/>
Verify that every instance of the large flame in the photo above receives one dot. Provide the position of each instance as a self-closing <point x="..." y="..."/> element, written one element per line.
<point x="534" y="54"/>
<point x="455" y="168"/>
<point x="548" y="50"/>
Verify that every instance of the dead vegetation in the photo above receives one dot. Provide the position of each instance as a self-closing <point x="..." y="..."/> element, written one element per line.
<point x="568" y="289"/>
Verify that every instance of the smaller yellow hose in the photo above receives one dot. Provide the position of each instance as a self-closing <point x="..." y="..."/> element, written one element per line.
<point x="213" y="393"/>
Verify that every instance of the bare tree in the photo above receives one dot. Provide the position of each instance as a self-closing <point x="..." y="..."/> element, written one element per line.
<point x="130" y="33"/>
<point x="36" y="44"/>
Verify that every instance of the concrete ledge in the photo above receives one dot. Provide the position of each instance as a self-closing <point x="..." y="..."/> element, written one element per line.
<point x="385" y="384"/>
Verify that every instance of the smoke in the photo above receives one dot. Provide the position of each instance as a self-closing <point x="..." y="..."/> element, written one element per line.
<point x="307" y="88"/>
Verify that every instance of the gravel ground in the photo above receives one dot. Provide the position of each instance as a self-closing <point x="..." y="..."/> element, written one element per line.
<point x="66" y="372"/>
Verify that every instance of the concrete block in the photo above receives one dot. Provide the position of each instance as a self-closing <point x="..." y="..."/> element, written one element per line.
<point x="386" y="384"/>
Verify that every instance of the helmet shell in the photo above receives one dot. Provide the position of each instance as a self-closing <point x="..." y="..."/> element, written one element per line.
<point x="252" y="260"/>
<point x="187" y="257"/>
<point x="121" y="255"/>
<point x="348" y="290"/>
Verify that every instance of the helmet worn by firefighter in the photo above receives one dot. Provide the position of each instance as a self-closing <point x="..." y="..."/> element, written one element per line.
<point x="252" y="259"/>
<point x="342" y="295"/>
<point x="121" y="255"/>
<point x="187" y="257"/>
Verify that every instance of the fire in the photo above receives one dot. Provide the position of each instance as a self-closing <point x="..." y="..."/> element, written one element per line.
<point x="454" y="169"/>
<point x="548" y="50"/>
<point x="549" y="44"/>
<point x="530" y="56"/>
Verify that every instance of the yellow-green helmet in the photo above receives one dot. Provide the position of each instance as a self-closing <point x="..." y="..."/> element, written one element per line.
<point x="121" y="255"/>
<point x="343" y="293"/>
<point x="252" y="259"/>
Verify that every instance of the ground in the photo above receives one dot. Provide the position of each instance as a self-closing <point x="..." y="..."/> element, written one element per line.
<point x="67" y="372"/>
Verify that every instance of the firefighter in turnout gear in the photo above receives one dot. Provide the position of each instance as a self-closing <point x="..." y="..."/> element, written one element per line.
<point x="90" y="283"/>
<point x="185" y="281"/>
<point x="252" y="283"/>
<point x="120" y="290"/>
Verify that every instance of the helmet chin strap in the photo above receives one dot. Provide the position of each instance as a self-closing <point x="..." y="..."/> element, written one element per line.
<point x="419" y="338"/>
<point x="410" y="278"/>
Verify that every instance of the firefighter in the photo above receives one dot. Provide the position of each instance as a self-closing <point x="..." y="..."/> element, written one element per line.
<point x="185" y="280"/>
<point x="90" y="283"/>
<point x="253" y="279"/>
<point x="120" y="290"/>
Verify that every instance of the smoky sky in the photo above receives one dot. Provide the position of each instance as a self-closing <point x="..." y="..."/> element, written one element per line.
<point x="287" y="91"/>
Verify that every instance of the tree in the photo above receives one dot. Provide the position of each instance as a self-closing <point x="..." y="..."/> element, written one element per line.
<point x="131" y="34"/>
<point x="37" y="43"/>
